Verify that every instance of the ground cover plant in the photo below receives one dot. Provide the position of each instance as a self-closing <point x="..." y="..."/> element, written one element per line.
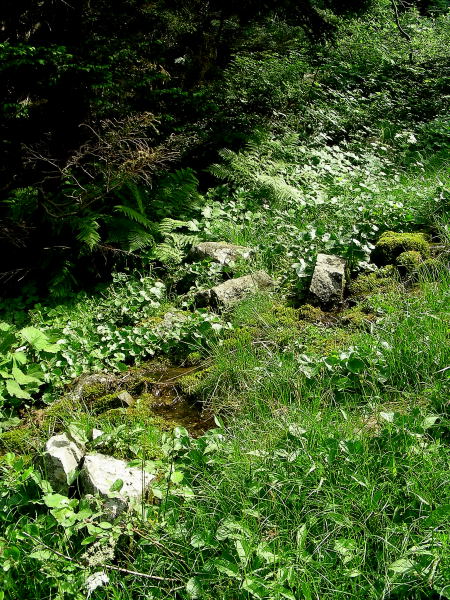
<point x="295" y="451"/>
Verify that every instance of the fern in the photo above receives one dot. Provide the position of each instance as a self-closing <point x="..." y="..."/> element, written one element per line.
<point x="88" y="227"/>
<point x="139" y="239"/>
<point x="134" y="215"/>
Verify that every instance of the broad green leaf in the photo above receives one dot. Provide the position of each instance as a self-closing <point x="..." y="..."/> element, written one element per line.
<point x="194" y="588"/>
<point x="226" y="567"/>
<point x="16" y="391"/>
<point x="401" y="566"/>
<point x="355" y="364"/>
<point x="42" y="554"/>
<point x="38" y="340"/>
<point x="56" y="500"/>
<point x="22" y="378"/>
<point x="176" y="477"/>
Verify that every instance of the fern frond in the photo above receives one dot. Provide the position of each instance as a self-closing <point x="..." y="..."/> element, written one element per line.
<point x="169" y="225"/>
<point x="168" y="254"/>
<point x="134" y="215"/>
<point x="140" y="239"/>
<point x="279" y="189"/>
<point x="88" y="234"/>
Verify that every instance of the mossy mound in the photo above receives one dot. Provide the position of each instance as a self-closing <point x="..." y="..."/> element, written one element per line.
<point x="358" y="317"/>
<point x="383" y="280"/>
<point x="23" y="440"/>
<point x="193" y="359"/>
<point x="311" y="314"/>
<point x="61" y="411"/>
<point x="391" y="244"/>
<point x="192" y="385"/>
<point x="109" y="401"/>
<point x="431" y="269"/>
<point x="409" y="261"/>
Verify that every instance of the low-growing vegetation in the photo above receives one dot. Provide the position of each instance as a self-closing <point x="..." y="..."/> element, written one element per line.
<point x="288" y="448"/>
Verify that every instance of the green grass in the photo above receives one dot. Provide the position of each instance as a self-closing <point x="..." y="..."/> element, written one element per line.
<point x="329" y="480"/>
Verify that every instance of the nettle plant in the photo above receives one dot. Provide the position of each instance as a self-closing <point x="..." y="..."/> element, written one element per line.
<point x="24" y="357"/>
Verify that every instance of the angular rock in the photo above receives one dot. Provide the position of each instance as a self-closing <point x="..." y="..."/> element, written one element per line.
<point x="61" y="458"/>
<point x="328" y="281"/>
<point x="220" y="252"/>
<point x="126" y="398"/>
<point x="232" y="291"/>
<point x="100" y="472"/>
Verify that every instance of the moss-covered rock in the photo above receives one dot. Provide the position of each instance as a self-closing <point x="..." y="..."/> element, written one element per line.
<point x="432" y="268"/>
<point x="109" y="401"/>
<point x="382" y="280"/>
<point x="391" y="244"/>
<point x="193" y="359"/>
<point x="409" y="261"/>
<point x="22" y="440"/>
<point x="311" y="314"/>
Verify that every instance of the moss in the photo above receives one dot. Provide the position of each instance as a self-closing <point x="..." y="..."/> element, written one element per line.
<point x="391" y="244"/>
<point x="409" y="261"/>
<point x="193" y="359"/>
<point x="431" y="268"/>
<point x="61" y="410"/>
<point x="23" y="440"/>
<point x="311" y="314"/>
<point x="358" y="317"/>
<point x="106" y="402"/>
<point x="192" y="385"/>
<point x="95" y="390"/>
<point x="383" y="280"/>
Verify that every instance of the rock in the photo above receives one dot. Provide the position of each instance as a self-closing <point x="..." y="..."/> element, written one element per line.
<point x="125" y="398"/>
<point x="220" y="252"/>
<point x="328" y="281"/>
<point x="61" y="458"/>
<point x="100" y="472"/>
<point x="230" y="292"/>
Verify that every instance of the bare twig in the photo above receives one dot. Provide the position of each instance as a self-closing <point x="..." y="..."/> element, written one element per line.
<point x="110" y="567"/>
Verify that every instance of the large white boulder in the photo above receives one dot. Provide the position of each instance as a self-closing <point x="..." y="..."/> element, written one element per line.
<point x="100" y="472"/>
<point x="221" y="252"/>
<point x="61" y="459"/>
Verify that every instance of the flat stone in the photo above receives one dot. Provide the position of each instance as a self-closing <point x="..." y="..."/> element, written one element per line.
<point x="126" y="398"/>
<point x="61" y="458"/>
<point x="100" y="472"/>
<point x="221" y="252"/>
<point x="328" y="281"/>
<point x="232" y="291"/>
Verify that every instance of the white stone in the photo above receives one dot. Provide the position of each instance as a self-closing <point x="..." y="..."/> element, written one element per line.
<point x="328" y="281"/>
<point x="61" y="458"/>
<point x="230" y="292"/>
<point x="221" y="252"/>
<point x="100" y="472"/>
